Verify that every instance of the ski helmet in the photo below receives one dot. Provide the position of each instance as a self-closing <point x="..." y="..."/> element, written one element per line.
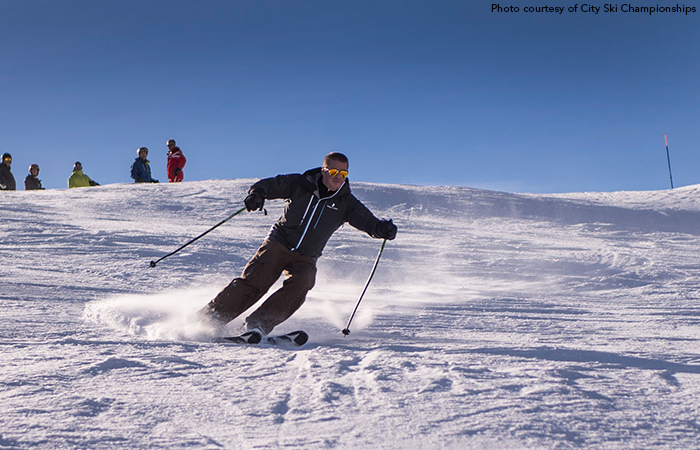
<point x="33" y="166"/>
<point x="6" y="156"/>
<point x="140" y="149"/>
<point x="170" y="142"/>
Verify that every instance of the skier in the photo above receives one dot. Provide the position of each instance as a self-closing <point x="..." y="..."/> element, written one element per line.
<point x="141" y="168"/>
<point x="7" y="180"/>
<point x="176" y="162"/>
<point x="79" y="179"/>
<point x="318" y="202"/>
<point x="32" y="182"/>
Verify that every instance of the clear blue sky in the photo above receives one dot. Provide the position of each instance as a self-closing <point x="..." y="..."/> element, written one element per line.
<point x="423" y="92"/>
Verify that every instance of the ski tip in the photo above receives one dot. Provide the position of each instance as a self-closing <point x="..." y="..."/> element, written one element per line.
<point x="249" y="337"/>
<point x="297" y="338"/>
<point x="302" y="337"/>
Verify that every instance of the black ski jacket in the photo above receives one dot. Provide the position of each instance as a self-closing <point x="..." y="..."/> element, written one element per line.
<point x="308" y="220"/>
<point x="32" y="183"/>
<point x="7" y="180"/>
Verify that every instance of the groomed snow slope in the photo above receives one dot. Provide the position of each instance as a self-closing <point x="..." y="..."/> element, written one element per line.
<point x="494" y="321"/>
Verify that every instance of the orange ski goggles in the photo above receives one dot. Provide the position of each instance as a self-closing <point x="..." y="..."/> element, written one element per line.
<point x="336" y="172"/>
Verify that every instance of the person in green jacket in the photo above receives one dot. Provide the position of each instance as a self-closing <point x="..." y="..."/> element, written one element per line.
<point x="79" y="179"/>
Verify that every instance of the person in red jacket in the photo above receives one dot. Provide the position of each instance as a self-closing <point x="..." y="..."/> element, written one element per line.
<point x="176" y="162"/>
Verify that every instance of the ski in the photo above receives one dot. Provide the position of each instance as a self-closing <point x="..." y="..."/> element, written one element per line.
<point x="296" y="338"/>
<point x="249" y="337"/>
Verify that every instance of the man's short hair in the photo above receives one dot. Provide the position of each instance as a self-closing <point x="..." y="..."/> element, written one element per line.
<point x="335" y="156"/>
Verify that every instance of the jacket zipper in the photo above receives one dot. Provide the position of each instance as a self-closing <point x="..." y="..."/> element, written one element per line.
<point x="307" y="209"/>
<point x="306" y="228"/>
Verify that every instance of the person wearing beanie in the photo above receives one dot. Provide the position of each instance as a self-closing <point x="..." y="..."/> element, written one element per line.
<point x="79" y="179"/>
<point x="7" y="180"/>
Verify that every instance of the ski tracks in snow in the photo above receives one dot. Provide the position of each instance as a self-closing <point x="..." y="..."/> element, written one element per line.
<point x="495" y="321"/>
<point x="344" y="393"/>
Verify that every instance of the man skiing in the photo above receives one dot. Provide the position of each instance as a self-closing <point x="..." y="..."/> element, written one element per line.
<point x="176" y="162"/>
<point x="141" y="168"/>
<point x="7" y="180"/>
<point x="318" y="202"/>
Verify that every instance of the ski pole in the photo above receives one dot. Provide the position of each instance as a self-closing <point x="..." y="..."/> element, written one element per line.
<point x="153" y="263"/>
<point x="346" y="330"/>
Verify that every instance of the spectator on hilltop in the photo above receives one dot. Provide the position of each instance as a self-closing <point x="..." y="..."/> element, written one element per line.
<point x="7" y="180"/>
<point x="32" y="182"/>
<point x="141" y="168"/>
<point x="79" y="179"/>
<point x="176" y="162"/>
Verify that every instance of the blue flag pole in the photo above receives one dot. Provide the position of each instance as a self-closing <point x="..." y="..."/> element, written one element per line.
<point x="668" y="158"/>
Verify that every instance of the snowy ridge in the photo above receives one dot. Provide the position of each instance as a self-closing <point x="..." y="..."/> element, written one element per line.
<point x="495" y="320"/>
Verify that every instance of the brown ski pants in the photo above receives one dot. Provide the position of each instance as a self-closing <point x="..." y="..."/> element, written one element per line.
<point x="270" y="261"/>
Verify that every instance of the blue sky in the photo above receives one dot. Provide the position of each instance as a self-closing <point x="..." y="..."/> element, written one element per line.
<point x="414" y="92"/>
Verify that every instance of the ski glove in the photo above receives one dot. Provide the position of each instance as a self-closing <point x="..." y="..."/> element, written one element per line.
<point x="254" y="201"/>
<point x="386" y="230"/>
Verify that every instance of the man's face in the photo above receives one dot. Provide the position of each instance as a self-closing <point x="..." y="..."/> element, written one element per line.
<point x="143" y="154"/>
<point x="334" y="182"/>
<point x="7" y="161"/>
<point x="34" y="171"/>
